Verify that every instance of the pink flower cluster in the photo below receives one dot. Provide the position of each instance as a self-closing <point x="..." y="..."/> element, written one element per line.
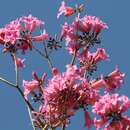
<point x="88" y="60"/>
<point x="65" y="93"/>
<point x="17" y="35"/>
<point x="111" y="108"/>
<point x="89" y="23"/>
<point x="59" y="97"/>
<point x="82" y="29"/>
<point x="97" y="56"/>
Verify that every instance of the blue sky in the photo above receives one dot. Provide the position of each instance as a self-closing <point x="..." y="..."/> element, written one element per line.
<point x="13" y="112"/>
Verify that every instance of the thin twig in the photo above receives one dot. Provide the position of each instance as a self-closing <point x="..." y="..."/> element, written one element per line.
<point x="29" y="106"/>
<point x="18" y="88"/>
<point x="75" y="53"/>
<point x="17" y="82"/>
<point x="38" y="51"/>
<point x="27" y="102"/>
<point x="20" y="91"/>
<point x="47" y="57"/>
<point x="30" y="115"/>
<point x="63" y="126"/>
<point x="85" y="73"/>
<point x="74" y="57"/>
<point x="7" y="82"/>
<point x="45" y="127"/>
<point x="16" y="69"/>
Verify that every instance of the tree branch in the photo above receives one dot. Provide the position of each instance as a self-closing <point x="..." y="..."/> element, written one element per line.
<point x="7" y="82"/>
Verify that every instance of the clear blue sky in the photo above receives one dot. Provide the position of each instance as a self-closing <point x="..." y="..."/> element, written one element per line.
<point x="13" y="113"/>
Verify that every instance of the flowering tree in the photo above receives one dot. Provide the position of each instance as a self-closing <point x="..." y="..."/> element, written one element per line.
<point x="58" y="98"/>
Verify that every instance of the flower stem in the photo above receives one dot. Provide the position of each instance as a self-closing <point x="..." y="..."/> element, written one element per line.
<point x="63" y="127"/>
<point x="38" y="51"/>
<point x="29" y="106"/>
<point x="75" y="53"/>
<point x="16" y="69"/>
<point x="47" y="57"/>
<point x="74" y="57"/>
<point x="30" y="115"/>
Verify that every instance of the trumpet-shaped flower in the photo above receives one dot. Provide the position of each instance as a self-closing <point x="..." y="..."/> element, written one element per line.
<point x="31" y="23"/>
<point x="113" y="80"/>
<point x="36" y="83"/>
<point x="66" y="10"/>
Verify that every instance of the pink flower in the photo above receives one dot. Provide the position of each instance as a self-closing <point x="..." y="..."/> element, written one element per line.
<point x="110" y="109"/>
<point x="96" y="84"/>
<point x="84" y="55"/>
<point x="113" y="80"/>
<point x="99" y="123"/>
<point x="59" y="82"/>
<point x="59" y="87"/>
<point x="30" y="86"/>
<point x="88" y="120"/>
<point x="70" y="37"/>
<point x="87" y="95"/>
<point x="10" y="33"/>
<point x="66" y="10"/>
<point x="55" y="71"/>
<point x="98" y="25"/>
<point x="31" y="23"/>
<point x="41" y="80"/>
<point x="17" y="35"/>
<point x="123" y="125"/>
<point x="20" y="62"/>
<point x="89" y="60"/>
<point x="72" y="48"/>
<point x="65" y="93"/>
<point x="65" y="30"/>
<point x="81" y="25"/>
<point x="68" y="32"/>
<point x="41" y="37"/>
<point x="25" y="44"/>
<point x="83" y="33"/>
<point x="99" y="55"/>
<point x="89" y="23"/>
<point x="2" y="36"/>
